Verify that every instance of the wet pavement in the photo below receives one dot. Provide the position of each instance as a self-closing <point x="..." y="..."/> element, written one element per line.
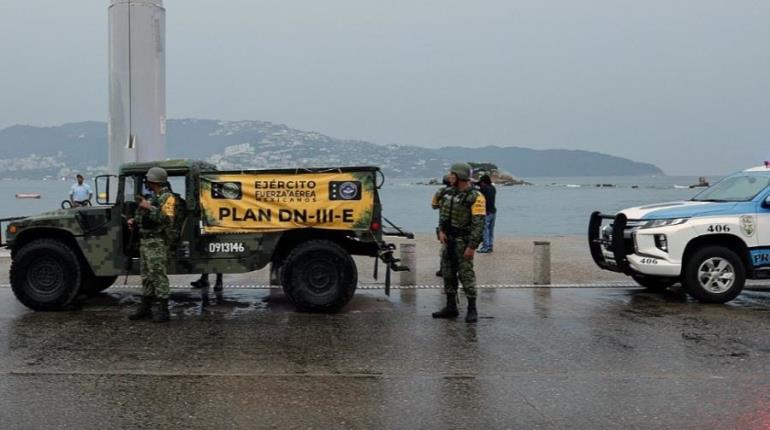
<point x="538" y="358"/>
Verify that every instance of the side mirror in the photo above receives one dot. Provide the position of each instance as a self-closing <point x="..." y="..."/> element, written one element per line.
<point x="103" y="183"/>
<point x="766" y="203"/>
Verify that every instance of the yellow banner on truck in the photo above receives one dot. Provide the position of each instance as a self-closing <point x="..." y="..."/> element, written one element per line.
<point x="251" y="202"/>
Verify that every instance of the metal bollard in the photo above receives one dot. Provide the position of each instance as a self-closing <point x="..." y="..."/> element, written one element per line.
<point x="542" y="263"/>
<point x="409" y="259"/>
<point x="275" y="275"/>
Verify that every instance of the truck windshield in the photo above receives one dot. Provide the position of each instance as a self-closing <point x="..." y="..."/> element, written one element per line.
<point x="741" y="187"/>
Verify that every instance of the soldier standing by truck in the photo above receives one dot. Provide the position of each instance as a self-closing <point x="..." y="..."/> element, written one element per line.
<point x="155" y="220"/>
<point x="461" y="227"/>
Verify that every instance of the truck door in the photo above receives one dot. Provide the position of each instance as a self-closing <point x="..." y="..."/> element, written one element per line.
<point x="760" y="257"/>
<point x="129" y="188"/>
<point x="179" y="184"/>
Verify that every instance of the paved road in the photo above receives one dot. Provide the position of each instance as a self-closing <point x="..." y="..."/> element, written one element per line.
<point x="539" y="358"/>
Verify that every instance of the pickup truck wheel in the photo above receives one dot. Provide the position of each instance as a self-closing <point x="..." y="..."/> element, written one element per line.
<point x="96" y="284"/>
<point x="714" y="274"/>
<point x="319" y="276"/>
<point x="45" y="275"/>
<point x="654" y="283"/>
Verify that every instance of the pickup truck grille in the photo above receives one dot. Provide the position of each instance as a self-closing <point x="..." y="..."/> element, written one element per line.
<point x="628" y="236"/>
<point x="610" y="252"/>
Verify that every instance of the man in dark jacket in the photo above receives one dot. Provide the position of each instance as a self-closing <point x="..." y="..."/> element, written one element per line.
<point x="489" y="192"/>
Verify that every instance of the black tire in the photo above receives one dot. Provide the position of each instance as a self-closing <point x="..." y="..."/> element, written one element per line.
<point x="654" y="283"/>
<point x="46" y="275"/>
<point x="704" y="258"/>
<point x="319" y="276"/>
<point x="96" y="284"/>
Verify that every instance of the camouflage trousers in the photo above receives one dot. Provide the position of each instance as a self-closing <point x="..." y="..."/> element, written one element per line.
<point x="462" y="270"/>
<point x="154" y="255"/>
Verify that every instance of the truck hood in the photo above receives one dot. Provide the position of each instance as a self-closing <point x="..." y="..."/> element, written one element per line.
<point x="55" y="214"/>
<point x="60" y="218"/>
<point x="688" y="209"/>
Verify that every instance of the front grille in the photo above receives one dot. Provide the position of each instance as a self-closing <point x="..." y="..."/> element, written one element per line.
<point x="628" y="235"/>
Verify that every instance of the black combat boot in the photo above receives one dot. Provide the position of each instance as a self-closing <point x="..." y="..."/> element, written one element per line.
<point x="162" y="315"/>
<point x="450" y="310"/>
<point x="143" y="311"/>
<point x="202" y="282"/>
<point x="439" y="274"/>
<point x="471" y="316"/>
<point x="218" y="284"/>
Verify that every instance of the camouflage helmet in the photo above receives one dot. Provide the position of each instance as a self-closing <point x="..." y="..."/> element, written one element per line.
<point x="157" y="175"/>
<point x="462" y="171"/>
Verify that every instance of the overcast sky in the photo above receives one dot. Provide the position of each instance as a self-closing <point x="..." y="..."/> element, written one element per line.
<point x="682" y="84"/>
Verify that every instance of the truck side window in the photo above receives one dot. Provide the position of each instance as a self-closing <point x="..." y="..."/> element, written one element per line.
<point x="129" y="189"/>
<point x="178" y="185"/>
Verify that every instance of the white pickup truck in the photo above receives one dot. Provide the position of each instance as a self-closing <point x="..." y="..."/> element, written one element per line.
<point x="711" y="243"/>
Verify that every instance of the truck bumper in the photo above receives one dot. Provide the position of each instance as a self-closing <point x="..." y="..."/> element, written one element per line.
<point x="609" y="253"/>
<point x="653" y="266"/>
<point x="616" y="252"/>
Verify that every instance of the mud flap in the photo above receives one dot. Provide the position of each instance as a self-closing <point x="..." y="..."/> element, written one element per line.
<point x="387" y="275"/>
<point x="391" y="264"/>
<point x="387" y="281"/>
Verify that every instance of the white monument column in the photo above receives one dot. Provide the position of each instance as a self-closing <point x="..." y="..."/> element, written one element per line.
<point x="137" y="79"/>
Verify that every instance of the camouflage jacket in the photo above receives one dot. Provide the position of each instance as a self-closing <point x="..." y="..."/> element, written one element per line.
<point x="158" y="221"/>
<point x="435" y="203"/>
<point x="462" y="214"/>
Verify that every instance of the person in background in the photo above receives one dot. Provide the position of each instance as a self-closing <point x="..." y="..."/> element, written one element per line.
<point x="489" y="192"/>
<point x="80" y="193"/>
<point x="446" y="190"/>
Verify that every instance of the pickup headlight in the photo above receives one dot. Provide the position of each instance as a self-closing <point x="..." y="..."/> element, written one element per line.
<point x="664" y="222"/>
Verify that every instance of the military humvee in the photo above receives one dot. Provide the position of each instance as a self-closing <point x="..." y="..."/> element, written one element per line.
<point x="307" y="223"/>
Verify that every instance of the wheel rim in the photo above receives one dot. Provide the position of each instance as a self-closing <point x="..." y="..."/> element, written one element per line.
<point x="321" y="273"/>
<point x="716" y="275"/>
<point x="45" y="276"/>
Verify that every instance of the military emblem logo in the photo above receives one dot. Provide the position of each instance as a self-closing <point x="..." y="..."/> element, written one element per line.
<point x="226" y="190"/>
<point x="344" y="190"/>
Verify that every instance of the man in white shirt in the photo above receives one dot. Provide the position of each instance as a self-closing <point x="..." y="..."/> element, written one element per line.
<point x="80" y="193"/>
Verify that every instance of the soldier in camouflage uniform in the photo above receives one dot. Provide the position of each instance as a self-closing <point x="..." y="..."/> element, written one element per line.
<point x="461" y="227"/>
<point x="447" y="186"/>
<point x="447" y="189"/>
<point x="155" y="221"/>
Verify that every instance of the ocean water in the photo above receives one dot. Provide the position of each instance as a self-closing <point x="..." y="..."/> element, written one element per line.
<point x="552" y="206"/>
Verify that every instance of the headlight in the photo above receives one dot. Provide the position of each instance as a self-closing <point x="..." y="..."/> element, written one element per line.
<point x="664" y="222"/>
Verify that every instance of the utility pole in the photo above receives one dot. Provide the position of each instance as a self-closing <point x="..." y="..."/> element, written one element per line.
<point x="137" y="80"/>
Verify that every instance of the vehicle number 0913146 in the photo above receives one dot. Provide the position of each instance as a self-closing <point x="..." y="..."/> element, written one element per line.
<point x="718" y="228"/>
<point x="226" y="247"/>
